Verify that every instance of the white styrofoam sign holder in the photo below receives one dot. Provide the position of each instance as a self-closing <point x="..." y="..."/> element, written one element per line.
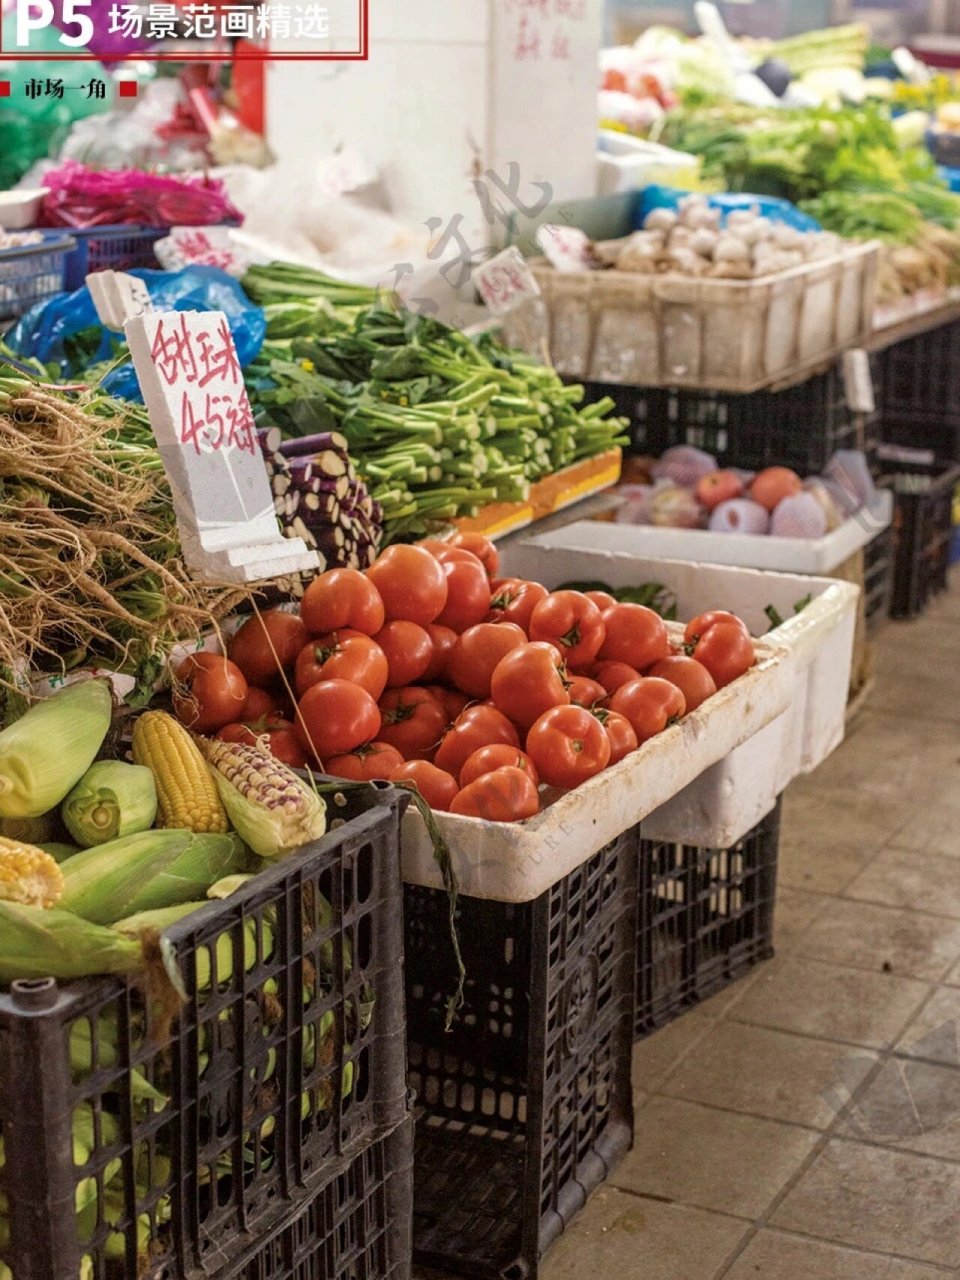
<point x="193" y="388"/>
<point x="505" y="281"/>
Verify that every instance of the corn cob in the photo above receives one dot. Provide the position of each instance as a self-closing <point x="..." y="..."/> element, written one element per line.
<point x="38" y="942"/>
<point x="111" y="799"/>
<point x="258" y="941"/>
<point x="272" y="809"/>
<point x="31" y="830"/>
<point x="28" y="875"/>
<point x="187" y="795"/>
<point x="146" y="870"/>
<point x="48" y="750"/>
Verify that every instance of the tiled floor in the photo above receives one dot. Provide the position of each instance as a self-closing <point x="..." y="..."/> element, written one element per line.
<point x="807" y="1127"/>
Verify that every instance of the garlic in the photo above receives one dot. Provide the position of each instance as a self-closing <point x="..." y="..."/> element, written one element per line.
<point x="660" y="220"/>
<point x="703" y="241"/>
<point x="730" y="248"/>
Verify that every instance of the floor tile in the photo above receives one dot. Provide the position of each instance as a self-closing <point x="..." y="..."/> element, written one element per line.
<point x="656" y="1054"/>
<point x="934" y="1033"/>
<point x="904" y="684"/>
<point x="636" y="1239"/>
<point x="823" y="870"/>
<point x="831" y="1002"/>
<point x="771" y="1255"/>
<point x="712" y="1159"/>
<point x="883" y="938"/>
<point x="935" y="826"/>
<point x="911" y="1104"/>
<point x="795" y="911"/>
<point x="919" y="881"/>
<point x="877" y="1198"/>
<point x="762" y="1073"/>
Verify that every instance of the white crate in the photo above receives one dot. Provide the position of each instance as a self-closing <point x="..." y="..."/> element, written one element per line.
<point x="730" y="797"/>
<point x="517" y="861"/>
<point x="817" y="556"/>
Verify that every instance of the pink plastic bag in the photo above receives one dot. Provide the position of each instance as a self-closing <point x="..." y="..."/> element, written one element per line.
<point x="81" y="197"/>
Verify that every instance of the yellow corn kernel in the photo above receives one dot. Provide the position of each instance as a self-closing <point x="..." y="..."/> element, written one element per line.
<point x="187" y="795"/>
<point x="28" y="875"/>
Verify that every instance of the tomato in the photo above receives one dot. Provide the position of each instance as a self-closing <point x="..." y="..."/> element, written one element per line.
<point x="279" y="737"/>
<point x="468" y="590"/>
<point x="259" y="705"/>
<point x="513" y="600"/>
<point x="477" y="653"/>
<point x="408" y="650"/>
<point x="476" y="727"/>
<point x="613" y="674"/>
<point x="725" y="649"/>
<point x="529" y="681"/>
<point x="690" y="676"/>
<point x="634" y="635"/>
<point x="650" y="704"/>
<point x="411" y="583"/>
<point x="413" y="722"/>
<point x="266" y="644"/>
<point x="209" y="692"/>
<point x="482" y="548"/>
<point x="452" y="700"/>
<point x="620" y="731"/>
<point x="443" y="639"/>
<point x="571" y="622"/>
<point x="335" y="716"/>
<point x="585" y="692"/>
<point x="496" y="756"/>
<point x="342" y="655"/>
<point x="568" y="745"/>
<point x="602" y="599"/>
<point x="436" y="787"/>
<point x="342" y="598"/>
<point x="375" y="761"/>
<point x="506" y="795"/>
<point x="701" y="624"/>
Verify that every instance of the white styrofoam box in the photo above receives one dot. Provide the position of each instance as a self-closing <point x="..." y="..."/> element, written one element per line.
<point x="816" y="556"/>
<point x="19" y="207"/>
<point x="730" y="797"/>
<point x="517" y="861"/>
<point x="443" y="98"/>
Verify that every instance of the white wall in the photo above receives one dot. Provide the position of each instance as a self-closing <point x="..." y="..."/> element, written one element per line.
<point x="446" y="95"/>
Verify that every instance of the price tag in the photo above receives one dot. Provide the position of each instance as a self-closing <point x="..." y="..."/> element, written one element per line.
<point x="193" y="388"/>
<point x="201" y="246"/>
<point x="504" y="282"/>
<point x="566" y="248"/>
<point x="118" y="297"/>
<point x="858" y="382"/>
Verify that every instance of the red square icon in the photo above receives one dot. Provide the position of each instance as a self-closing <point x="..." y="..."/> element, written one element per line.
<point x="127" y="88"/>
<point x="4" y="88"/>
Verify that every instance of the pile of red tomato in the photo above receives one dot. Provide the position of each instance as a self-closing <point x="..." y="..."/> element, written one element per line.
<point x="478" y="689"/>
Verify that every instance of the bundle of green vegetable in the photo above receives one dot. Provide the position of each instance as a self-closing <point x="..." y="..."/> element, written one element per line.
<point x="435" y="423"/>
<point x="89" y="552"/>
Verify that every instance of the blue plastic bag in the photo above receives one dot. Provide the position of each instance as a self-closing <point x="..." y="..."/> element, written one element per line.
<point x="777" y="210"/>
<point x="46" y="330"/>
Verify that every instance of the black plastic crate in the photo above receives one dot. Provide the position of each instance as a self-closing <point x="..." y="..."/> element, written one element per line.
<point x="923" y="529"/>
<point x="918" y="390"/>
<point x="706" y="918"/>
<point x="525" y="1106"/>
<point x="800" y="427"/>
<point x="278" y="1071"/>
<point x="357" y="1228"/>
<point x="877" y="579"/>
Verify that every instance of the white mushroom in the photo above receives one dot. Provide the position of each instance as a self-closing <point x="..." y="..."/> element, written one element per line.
<point x="660" y="220"/>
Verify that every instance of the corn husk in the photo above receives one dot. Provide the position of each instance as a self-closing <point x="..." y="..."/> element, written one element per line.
<point x="147" y="870"/>
<point x="49" y="749"/>
<point x="58" y="851"/>
<point x="112" y="799"/>
<point x="135" y="925"/>
<point x="39" y="942"/>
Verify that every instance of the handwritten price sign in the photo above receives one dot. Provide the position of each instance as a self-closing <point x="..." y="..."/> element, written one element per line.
<point x="505" y="281"/>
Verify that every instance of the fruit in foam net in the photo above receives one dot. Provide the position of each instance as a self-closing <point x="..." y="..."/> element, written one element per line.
<point x="717" y="487"/>
<point x="799" y="516"/>
<point x="675" y="508"/>
<point x="739" y="515"/>
<point x="772" y="485"/>
<point x="684" y="465"/>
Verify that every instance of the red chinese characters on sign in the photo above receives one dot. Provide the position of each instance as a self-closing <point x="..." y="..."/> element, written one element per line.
<point x="214" y="409"/>
<point x="505" y="281"/>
